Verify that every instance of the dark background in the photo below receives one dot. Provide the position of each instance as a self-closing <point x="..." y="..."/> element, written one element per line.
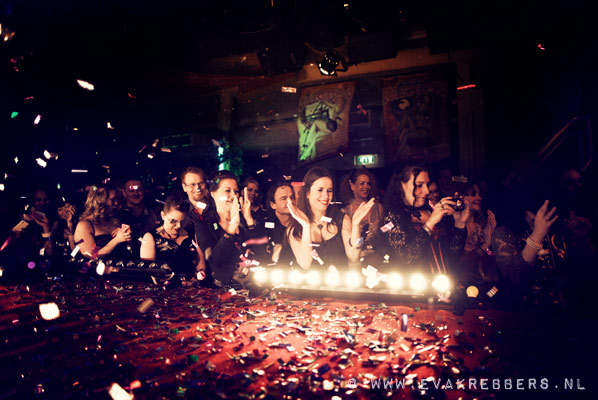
<point x="140" y="56"/>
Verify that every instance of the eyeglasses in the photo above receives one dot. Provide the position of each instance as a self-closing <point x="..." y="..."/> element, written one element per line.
<point x="195" y="185"/>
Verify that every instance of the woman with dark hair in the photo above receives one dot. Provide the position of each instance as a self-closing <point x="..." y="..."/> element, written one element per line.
<point x="98" y="232"/>
<point x="222" y="234"/>
<point x="321" y="232"/>
<point x="413" y="227"/>
<point x="171" y="243"/>
<point x="361" y="184"/>
<point x="254" y="196"/>
<point x="477" y="262"/>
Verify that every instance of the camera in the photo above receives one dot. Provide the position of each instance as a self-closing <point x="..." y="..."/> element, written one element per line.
<point x="459" y="203"/>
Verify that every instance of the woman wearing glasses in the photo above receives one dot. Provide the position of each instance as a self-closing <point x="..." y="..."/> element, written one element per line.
<point x="171" y="243"/>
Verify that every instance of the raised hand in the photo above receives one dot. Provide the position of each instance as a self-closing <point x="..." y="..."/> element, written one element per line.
<point x="489" y="228"/>
<point x="235" y="217"/>
<point x="362" y="211"/>
<point x="298" y="215"/>
<point x="462" y="216"/>
<point x="41" y="219"/>
<point x="442" y="208"/>
<point x="122" y="235"/>
<point x="543" y="220"/>
<point x="246" y="207"/>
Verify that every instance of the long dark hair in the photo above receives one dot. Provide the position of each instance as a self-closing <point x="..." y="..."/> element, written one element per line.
<point x="303" y="203"/>
<point x="395" y="197"/>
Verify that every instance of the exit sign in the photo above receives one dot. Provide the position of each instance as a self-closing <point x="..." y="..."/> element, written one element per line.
<point x="366" y="159"/>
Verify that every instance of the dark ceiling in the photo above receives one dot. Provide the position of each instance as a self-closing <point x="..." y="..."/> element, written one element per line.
<point x="147" y="48"/>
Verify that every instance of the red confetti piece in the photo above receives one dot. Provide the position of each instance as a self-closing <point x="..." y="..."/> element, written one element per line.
<point x="131" y="96"/>
<point x="364" y="112"/>
<point x="262" y="240"/>
<point x="297" y="183"/>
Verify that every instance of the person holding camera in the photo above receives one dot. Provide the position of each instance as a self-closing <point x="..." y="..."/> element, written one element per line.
<point x="418" y="235"/>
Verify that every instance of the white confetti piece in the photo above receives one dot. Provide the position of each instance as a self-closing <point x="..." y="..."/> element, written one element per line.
<point x="85" y="85"/>
<point x="49" y="311"/>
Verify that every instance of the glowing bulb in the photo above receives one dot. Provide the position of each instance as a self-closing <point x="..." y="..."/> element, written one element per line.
<point x="49" y="311"/>
<point x="441" y="283"/>
<point x="101" y="268"/>
<point x="277" y="277"/>
<point x="313" y="278"/>
<point x="395" y="281"/>
<point x="295" y="277"/>
<point x="332" y="277"/>
<point x="352" y="279"/>
<point x="417" y="282"/>
<point x="259" y="275"/>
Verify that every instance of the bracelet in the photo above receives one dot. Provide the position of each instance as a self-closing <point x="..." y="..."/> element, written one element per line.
<point x="427" y="228"/>
<point x="46" y="235"/>
<point x="533" y="244"/>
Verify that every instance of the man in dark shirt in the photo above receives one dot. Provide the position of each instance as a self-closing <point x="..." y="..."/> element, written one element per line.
<point x="278" y="220"/>
<point x="194" y="183"/>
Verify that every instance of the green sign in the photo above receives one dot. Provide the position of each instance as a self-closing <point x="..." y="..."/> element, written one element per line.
<point x="366" y="159"/>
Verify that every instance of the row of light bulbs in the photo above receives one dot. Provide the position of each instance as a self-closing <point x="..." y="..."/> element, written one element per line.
<point x="332" y="278"/>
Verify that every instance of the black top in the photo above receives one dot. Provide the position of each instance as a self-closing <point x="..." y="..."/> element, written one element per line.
<point x="225" y="253"/>
<point x="332" y="251"/>
<point x="410" y="245"/>
<point x="182" y="258"/>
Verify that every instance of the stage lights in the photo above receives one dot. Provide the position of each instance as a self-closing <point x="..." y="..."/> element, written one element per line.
<point x="441" y="284"/>
<point x="418" y="283"/>
<point x="277" y="277"/>
<point x="395" y="282"/>
<point x="369" y="280"/>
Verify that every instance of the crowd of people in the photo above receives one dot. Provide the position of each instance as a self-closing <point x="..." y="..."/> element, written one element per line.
<point x="535" y="248"/>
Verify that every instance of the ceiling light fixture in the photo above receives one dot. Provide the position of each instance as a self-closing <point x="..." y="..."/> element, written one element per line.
<point x="329" y="64"/>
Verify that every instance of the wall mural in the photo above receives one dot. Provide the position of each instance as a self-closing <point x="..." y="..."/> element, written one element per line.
<point x="323" y="120"/>
<point x="416" y="117"/>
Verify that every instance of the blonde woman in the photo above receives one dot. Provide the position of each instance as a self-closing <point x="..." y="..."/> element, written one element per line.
<point x="98" y="232"/>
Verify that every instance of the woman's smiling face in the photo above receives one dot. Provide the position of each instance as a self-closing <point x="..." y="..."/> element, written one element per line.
<point x="320" y="194"/>
<point x="225" y="194"/>
<point x="418" y="197"/>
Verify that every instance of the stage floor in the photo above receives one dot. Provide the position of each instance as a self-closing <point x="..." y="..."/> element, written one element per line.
<point x="189" y="342"/>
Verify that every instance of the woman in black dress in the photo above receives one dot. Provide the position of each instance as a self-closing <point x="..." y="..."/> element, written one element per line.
<point x="420" y="236"/>
<point x="171" y="243"/>
<point x="321" y="232"/>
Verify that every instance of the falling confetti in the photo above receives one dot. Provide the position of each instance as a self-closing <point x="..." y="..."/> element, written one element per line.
<point x="41" y="162"/>
<point x="287" y="89"/>
<point x="37" y="119"/>
<point x="85" y="85"/>
<point x="14" y="114"/>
